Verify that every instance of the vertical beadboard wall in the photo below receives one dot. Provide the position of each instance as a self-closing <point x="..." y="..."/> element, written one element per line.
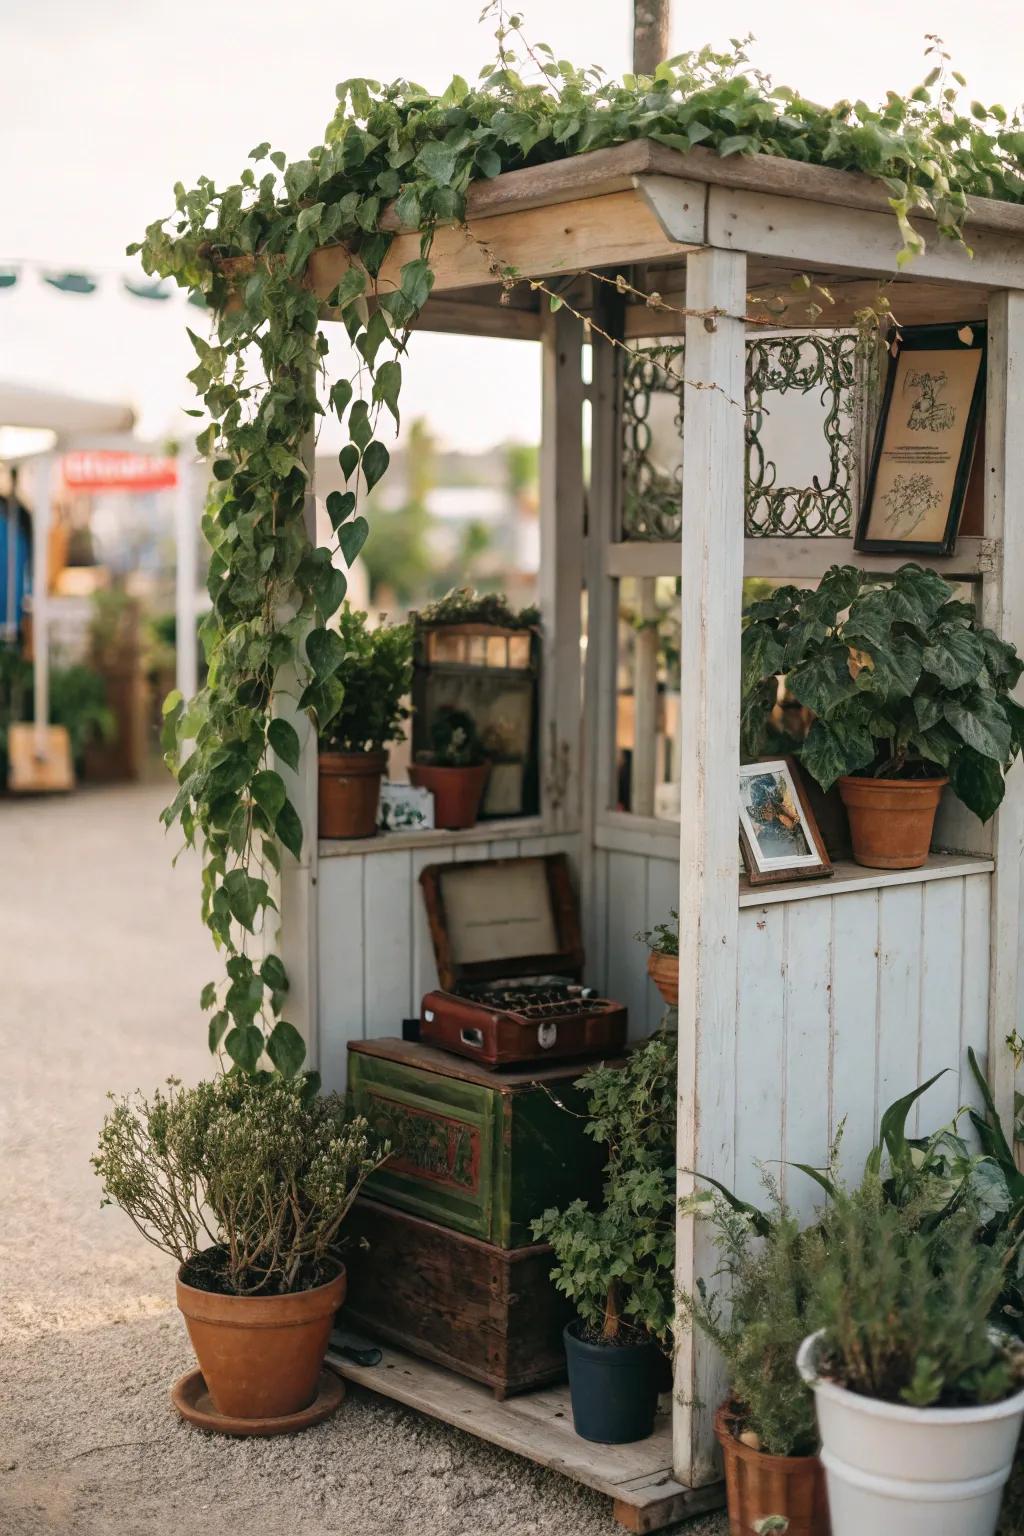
<point x="375" y="955"/>
<point x="844" y="1003"/>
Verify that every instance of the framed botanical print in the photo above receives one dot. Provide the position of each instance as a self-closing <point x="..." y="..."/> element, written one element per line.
<point x="779" y="836"/>
<point x="924" y="446"/>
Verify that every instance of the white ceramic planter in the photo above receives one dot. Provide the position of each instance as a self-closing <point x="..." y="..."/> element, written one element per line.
<point x="899" y="1471"/>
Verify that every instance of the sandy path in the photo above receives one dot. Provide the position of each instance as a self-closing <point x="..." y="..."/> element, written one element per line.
<point x="101" y="960"/>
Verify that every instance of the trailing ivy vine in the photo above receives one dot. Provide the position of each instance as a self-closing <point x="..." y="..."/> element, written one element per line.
<point x="243" y="250"/>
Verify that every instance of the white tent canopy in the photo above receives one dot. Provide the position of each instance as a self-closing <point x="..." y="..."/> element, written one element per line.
<point x="26" y="405"/>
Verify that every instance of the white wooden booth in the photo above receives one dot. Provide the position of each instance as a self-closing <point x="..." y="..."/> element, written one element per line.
<point x="799" y="1004"/>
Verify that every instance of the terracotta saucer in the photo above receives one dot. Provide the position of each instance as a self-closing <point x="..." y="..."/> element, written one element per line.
<point x="191" y="1398"/>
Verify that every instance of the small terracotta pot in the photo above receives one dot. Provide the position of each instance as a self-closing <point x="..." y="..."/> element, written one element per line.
<point x="891" y="820"/>
<point x="664" y="972"/>
<point x="457" y="792"/>
<point x="349" y="792"/>
<point x="261" y="1356"/>
<point x="758" y="1485"/>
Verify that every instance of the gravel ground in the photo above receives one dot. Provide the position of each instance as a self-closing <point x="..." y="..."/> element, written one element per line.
<point x="101" y="960"/>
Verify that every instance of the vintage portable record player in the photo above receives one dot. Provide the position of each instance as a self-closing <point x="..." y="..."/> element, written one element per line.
<point x="506" y="935"/>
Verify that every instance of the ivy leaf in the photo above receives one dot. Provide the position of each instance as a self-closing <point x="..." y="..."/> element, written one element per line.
<point x="244" y="1045"/>
<point x="437" y="161"/>
<point x="246" y="895"/>
<point x="329" y="588"/>
<point x="348" y="458"/>
<point x="350" y="288"/>
<point x="289" y="828"/>
<point x="274" y="974"/>
<point x="286" y="1048"/>
<point x="218" y="1024"/>
<point x="352" y="537"/>
<point x="340" y="504"/>
<point x="359" y="428"/>
<point x="268" y="791"/>
<point x="375" y="461"/>
<point x="387" y="385"/>
<point x="416" y="282"/>
<point x="284" y="740"/>
<point x="341" y="394"/>
<point x="208" y="996"/>
<point x="326" y="651"/>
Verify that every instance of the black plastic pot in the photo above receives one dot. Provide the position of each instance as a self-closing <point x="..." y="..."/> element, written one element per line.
<point x="613" y="1388"/>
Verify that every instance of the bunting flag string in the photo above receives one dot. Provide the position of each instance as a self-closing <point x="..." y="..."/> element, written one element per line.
<point x="82" y="283"/>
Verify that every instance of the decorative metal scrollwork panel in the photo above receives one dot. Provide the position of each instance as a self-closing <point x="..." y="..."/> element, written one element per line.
<point x="800" y="438"/>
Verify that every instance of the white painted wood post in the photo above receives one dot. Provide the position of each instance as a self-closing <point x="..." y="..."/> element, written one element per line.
<point x="1003" y="610"/>
<point x="712" y="575"/>
<point x="186" y="538"/>
<point x="560" y="579"/>
<point x="298" y="882"/>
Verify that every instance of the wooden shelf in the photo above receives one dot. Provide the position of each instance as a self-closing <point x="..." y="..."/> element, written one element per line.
<point x="538" y="1425"/>
<point x="434" y="837"/>
<point x="854" y="877"/>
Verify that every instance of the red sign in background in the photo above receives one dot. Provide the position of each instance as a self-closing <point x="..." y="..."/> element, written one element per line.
<point x="105" y="469"/>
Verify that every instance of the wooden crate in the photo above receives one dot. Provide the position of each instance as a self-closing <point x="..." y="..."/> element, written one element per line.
<point x="489" y="1313"/>
<point x="479" y="1151"/>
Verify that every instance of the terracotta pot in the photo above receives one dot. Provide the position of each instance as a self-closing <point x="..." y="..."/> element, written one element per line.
<point x="457" y="792"/>
<point x="349" y="792"/>
<point x="758" y="1485"/>
<point x="891" y="820"/>
<point x="664" y="972"/>
<point x="261" y="1356"/>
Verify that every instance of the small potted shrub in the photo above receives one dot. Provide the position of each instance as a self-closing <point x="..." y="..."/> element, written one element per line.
<point x="360" y="708"/>
<point x="454" y="770"/>
<point x="616" y="1263"/>
<point x="245" y="1182"/>
<point x="919" y="1400"/>
<point x="766" y="1428"/>
<point x="663" y="960"/>
<point x="908" y="692"/>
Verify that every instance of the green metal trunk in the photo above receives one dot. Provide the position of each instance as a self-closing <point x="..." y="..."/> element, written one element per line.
<point x="479" y="1151"/>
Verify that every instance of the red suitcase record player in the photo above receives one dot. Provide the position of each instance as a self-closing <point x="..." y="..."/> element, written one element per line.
<point x="506" y="935"/>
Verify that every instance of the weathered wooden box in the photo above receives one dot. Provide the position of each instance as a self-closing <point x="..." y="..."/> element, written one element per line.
<point x="479" y="1151"/>
<point x="488" y="1313"/>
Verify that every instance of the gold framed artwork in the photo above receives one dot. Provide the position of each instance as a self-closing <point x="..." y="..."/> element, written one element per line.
<point x="779" y="836"/>
<point x="925" y="442"/>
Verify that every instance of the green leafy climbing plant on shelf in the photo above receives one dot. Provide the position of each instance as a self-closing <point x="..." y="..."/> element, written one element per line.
<point x="398" y="157"/>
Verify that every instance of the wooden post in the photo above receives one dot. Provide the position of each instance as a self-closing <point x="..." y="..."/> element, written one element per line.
<point x="560" y="580"/>
<point x="297" y="886"/>
<point x="1002" y="606"/>
<point x="712" y="575"/>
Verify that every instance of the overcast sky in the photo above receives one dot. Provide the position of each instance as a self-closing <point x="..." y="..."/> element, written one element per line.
<point x="107" y="104"/>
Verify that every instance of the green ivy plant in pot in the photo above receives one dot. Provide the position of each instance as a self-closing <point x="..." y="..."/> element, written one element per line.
<point x="455" y="769"/>
<point x="919" y="1400"/>
<point x="362" y="697"/>
<point x="663" y="958"/>
<point x="616" y="1262"/>
<point x="909" y="694"/>
<point x="245" y="1181"/>
<point x="756" y="1313"/>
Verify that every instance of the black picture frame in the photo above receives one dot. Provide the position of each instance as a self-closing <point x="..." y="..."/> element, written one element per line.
<point x="968" y="335"/>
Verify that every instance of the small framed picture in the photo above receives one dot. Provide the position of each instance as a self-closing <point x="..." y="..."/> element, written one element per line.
<point x="924" y="446"/>
<point x="779" y="836"/>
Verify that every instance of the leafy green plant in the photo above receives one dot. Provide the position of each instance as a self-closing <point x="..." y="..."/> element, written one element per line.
<point x="370" y="682"/>
<point x="903" y="681"/>
<point x="464" y="606"/>
<point x="906" y="1308"/>
<point x="78" y="701"/>
<point x="616" y="1262"/>
<point x="246" y="1181"/>
<point x="454" y="742"/>
<point x="756" y="1312"/>
<point x="663" y="938"/>
<point x="242" y="251"/>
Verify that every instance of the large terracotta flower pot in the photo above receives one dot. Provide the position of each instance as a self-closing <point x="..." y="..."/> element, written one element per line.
<point x="349" y="791"/>
<point x="891" y="820"/>
<point x="758" y="1485"/>
<point x="261" y="1356"/>
<point x="457" y="792"/>
<point x="664" y="972"/>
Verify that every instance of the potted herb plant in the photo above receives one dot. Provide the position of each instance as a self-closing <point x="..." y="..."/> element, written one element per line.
<point x="766" y="1428"/>
<point x="663" y="960"/>
<point x="360" y="706"/>
<point x="245" y="1181"/>
<point x="615" y="1262"/>
<point x="919" y="1400"/>
<point x="454" y="770"/>
<point x="908" y="692"/>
